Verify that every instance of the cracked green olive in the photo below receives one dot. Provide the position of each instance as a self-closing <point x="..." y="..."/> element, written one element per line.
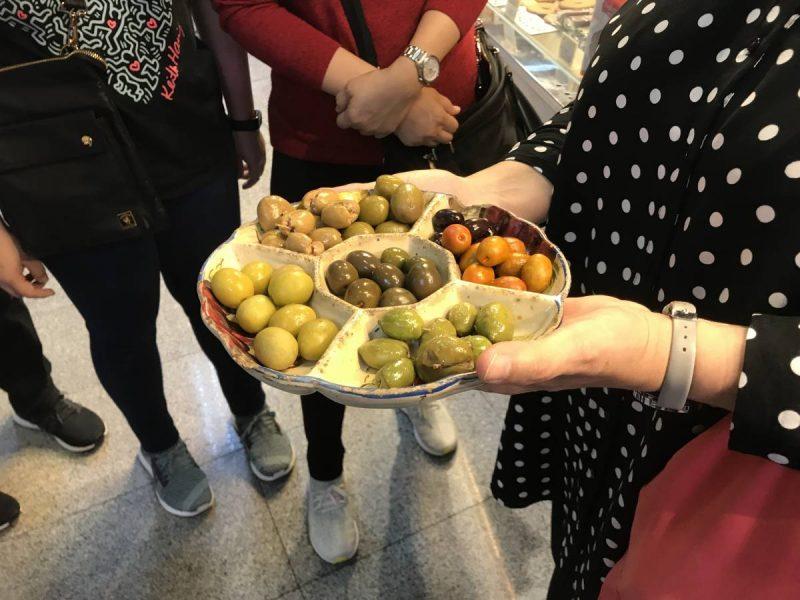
<point x="396" y="374"/>
<point x="380" y="351"/>
<point x="443" y="356"/>
<point x="357" y="228"/>
<point x="402" y="324"/>
<point x="462" y="316"/>
<point x="495" y="322"/>
<point x="478" y="343"/>
<point x="436" y="328"/>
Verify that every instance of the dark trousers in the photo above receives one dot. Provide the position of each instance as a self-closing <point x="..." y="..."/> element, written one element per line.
<point x="24" y="370"/>
<point x="322" y="418"/>
<point x="115" y="287"/>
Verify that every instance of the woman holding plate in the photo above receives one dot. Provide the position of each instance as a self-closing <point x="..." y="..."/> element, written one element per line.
<point x="672" y="180"/>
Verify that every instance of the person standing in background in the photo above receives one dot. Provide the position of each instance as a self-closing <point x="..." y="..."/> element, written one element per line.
<point x="327" y="112"/>
<point x="168" y="87"/>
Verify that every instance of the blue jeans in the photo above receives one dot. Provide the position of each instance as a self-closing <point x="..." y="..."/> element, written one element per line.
<point x="115" y="287"/>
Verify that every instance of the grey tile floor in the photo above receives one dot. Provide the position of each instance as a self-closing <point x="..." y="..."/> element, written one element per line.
<point x="91" y="527"/>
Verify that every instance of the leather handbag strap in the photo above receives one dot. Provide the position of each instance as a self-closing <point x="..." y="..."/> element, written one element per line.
<point x="358" y="25"/>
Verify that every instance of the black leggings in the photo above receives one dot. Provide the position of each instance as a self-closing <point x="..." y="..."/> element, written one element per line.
<point x="115" y="287"/>
<point x="322" y="418"/>
<point x="24" y="370"/>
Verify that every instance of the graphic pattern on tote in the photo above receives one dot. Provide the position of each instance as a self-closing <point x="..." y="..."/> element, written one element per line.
<point x="130" y="34"/>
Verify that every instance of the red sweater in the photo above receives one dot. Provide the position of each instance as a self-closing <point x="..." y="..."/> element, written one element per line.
<point x="298" y="38"/>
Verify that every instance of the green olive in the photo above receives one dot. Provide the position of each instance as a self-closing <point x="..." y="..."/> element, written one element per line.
<point x="275" y="348"/>
<point x="436" y="328"/>
<point x="357" y="228"/>
<point x="292" y="317"/>
<point x="385" y="185"/>
<point x="396" y="374"/>
<point x="380" y="351"/>
<point x="374" y="210"/>
<point x="392" y="227"/>
<point x="462" y="316"/>
<point x="402" y="324"/>
<point x="443" y="356"/>
<point x="407" y="203"/>
<point x="495" y="322"/>
<point x="394" y="256"/>
<point x="315" y="336"/>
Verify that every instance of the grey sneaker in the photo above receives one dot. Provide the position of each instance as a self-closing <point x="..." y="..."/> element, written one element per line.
<point x="331" y="526"/>
<point x="74" y="427"/>
<point x="433" y="427"/>
<point x="268" y="449"/>
<point x="181" y="486"/>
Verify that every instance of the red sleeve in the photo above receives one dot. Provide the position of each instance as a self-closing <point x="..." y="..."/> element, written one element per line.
<point x="287" y="43"/>
<point x="463" y="12"/>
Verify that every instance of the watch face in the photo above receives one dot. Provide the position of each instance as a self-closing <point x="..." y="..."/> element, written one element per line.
<point x="430" y="70"/>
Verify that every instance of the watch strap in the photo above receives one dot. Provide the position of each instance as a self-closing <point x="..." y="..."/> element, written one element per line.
<point x="252" y="124"/>
<point x="680" y="368"/>
<point x="418" y="56"/>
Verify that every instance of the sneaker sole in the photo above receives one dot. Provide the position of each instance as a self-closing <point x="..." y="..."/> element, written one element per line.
<point x="277" y="475"/>
<point x="171" y="510"/>
<point x="69" y="447"/>
<point x="423" y="445"/>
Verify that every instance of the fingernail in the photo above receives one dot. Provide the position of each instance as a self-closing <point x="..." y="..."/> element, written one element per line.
<point x="498" y="368"/>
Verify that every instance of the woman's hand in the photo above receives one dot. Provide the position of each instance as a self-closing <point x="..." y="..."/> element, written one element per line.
<point x="13" y="266"/>
<point x="251" y="155"/>
<point x="377" y="102"/>
<point x="602" y="342"/>
<point x="430" y="120"/>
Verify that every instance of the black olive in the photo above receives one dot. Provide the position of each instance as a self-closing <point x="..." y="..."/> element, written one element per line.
<point x="445" y="217"/>
<point x="479" y="228"/>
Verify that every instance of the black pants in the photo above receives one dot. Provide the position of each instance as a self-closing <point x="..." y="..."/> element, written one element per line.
<point x="116" y="289"/>
<point x="24" y="370"/>
<point x="322" y="418"/>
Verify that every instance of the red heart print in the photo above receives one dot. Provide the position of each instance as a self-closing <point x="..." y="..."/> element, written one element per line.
<point x="152" y="23"/>
<point x="22" y="15"/>
<point x="112" y="23"/>
<point x="135" y="66"/>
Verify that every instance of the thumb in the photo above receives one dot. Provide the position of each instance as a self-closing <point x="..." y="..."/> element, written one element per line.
<point x="526" y="363"/>
<point x="342" y="100"/>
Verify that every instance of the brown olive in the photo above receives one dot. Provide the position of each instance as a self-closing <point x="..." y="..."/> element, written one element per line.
<point x="397" y="297"/>
<point x="327" y="235"/>
<point x="340" y="215"/>
<point x="339" y="275"/>
<point x="363" y="293"/>
<point x="364" y="262"/>
<point x="357" y="228"/>
<point x="300" y="221"/>
<point x="412" y="262"/>
<point x="392" y="227"/>
<point x="270" y="209"/>
<point x="273" y="238"/>
<point x="388" y="276"/>
<point x="407" y="203"/>
<point x="423" y="280"/>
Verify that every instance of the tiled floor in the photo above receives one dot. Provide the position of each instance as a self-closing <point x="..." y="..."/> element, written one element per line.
<point x="91" y="527"/>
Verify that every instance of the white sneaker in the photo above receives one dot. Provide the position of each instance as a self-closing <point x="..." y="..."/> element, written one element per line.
<point x="331" y="526"/>
<point x="433" y="427"/>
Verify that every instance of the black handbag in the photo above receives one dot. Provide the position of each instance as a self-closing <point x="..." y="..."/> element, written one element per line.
<point x="69" y="173"/>
<point x="500" y="117"/>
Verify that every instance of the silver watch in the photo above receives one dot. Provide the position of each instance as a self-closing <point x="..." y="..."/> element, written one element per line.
<point x="680" y="368"/>
<point x="427" y="64"/>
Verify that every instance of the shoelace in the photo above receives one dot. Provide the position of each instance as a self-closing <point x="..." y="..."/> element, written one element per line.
<point x="333" y="498"/>
<point x="65" y="408"/>
<point x="268" y="425"/>
<point x="173" y="460"/>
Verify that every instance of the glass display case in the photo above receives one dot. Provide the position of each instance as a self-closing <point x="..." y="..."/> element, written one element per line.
<point x="546" y="44"/>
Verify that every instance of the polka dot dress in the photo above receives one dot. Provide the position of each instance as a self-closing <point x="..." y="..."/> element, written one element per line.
<point x="677" y="177"/>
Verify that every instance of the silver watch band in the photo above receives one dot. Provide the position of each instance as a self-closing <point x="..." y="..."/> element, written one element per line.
<point x="680" y="368"/>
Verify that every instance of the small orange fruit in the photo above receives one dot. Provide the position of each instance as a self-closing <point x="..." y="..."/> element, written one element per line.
<point x="456" y="238"/>
<point x="537" y="273"/>
<point x="516" y="244"/>
<point x="468" y="257"/>
<point x="512" y="265"/>
<point x="510" y="283"/>
<point x="493" y="250"/>
<point x="478" y="274"/>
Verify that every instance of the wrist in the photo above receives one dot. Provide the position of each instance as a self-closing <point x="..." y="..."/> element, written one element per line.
<point x="720" y="356"/>
<point x="404" y="72"/>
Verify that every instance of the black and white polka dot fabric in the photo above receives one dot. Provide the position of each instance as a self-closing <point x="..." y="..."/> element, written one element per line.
<point x="677" y="177"/>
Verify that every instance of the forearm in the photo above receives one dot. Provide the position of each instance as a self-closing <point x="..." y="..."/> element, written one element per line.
<point x="231" y="59"/>
<point x="514" y="186"/>
<point x="436" y="33"/>
<point x="343" y="67"/>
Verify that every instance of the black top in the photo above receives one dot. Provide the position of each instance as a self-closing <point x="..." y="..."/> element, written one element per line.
<point x="677" y="177"/>
<point x="165" y="80"/>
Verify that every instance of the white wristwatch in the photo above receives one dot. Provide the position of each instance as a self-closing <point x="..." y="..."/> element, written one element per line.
<point x="427" y="64"/>
<point x="680" y="368"/>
